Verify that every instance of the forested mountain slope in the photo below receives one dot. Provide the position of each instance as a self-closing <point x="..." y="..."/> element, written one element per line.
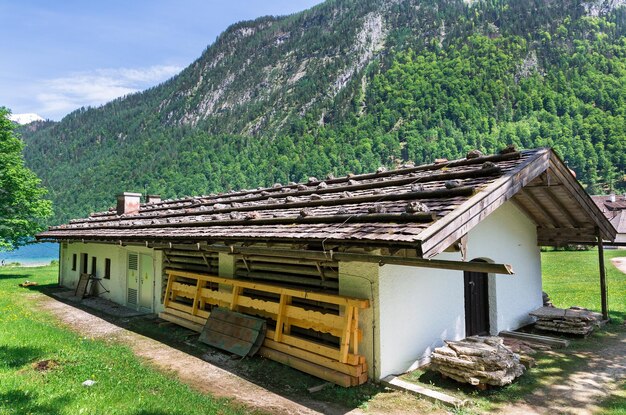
<point x="348" y="86"/>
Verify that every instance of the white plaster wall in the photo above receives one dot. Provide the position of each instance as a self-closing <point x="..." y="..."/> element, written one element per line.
<point x="508" y="236"/>
<point x="421" y="307"/>
<point x="116" y="285"/>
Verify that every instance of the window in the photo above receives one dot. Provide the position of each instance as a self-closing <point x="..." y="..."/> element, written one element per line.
<point x="93" y="266"/>
<point x="107" y="268"/>
<point x="74" y="262"/>
<point x="83" y="263"/>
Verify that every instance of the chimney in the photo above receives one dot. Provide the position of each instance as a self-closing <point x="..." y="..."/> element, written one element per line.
<point x="128" y="203"/>
<point x="612" y="198"/>
<point x="153" y="199"/>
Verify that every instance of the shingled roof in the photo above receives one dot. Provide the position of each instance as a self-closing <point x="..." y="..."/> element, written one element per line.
<point x="425" y="207"/>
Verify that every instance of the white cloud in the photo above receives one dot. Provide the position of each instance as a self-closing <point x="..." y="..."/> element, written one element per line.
<point x="59" y="96"/>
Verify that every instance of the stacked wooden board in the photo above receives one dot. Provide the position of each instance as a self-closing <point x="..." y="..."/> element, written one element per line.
<point x="479" y="361"/>
<point x="574" y="320"/>
<point x="189" y="298"/>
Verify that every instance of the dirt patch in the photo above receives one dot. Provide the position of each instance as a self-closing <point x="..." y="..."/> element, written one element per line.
<point x="599" y="374"/>
<point x="620" y="263"/>
<point x="197" y="373"/>
<point x="44" y="365"/>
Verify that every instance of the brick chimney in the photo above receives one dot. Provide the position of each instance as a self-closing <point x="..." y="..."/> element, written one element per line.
<point x="153" y="199"/>
<point x="128" y="203"/>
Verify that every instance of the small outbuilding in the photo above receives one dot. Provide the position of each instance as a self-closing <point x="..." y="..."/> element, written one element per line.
<point x="357" y="277"/>
<point x="614" y="208"/>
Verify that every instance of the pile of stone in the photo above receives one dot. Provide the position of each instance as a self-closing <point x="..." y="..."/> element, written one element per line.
<point x="574" y="320"/>
<point x="477" y="360"/>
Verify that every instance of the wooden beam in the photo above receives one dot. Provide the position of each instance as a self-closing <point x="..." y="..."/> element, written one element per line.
<point x="603" y="291"/>
<point x="428" y="263"/>
<point x="521" y="206"/>
<point x="577" y="191"/>
<point x="564" y="209"/>
<point x="380" y="259"/>
<point x="541" y="207"/>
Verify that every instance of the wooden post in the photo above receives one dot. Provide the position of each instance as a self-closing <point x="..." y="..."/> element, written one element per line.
<point x="603" y="292"/>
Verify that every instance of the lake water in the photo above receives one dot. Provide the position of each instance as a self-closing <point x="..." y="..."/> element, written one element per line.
<point x="32" y="255"/>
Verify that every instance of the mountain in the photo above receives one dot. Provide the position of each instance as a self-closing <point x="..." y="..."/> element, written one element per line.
<point x="348" y="86"/>
<point x="25" y="118"/>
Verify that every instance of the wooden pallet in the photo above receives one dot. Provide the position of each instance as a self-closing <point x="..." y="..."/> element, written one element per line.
<point x="189" y="295"/>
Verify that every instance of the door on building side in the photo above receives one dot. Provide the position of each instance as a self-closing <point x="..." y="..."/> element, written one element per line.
<point x="140" y="284"/>
<point x="146" y="282"/>
<point x="476" y="303"/>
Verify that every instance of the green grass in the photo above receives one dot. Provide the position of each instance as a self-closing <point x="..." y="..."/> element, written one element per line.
<point x="572" y="278"/>
<point x="124" y="385"/>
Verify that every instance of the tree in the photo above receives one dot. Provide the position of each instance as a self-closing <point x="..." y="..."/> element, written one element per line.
<point x="23" y="210"/>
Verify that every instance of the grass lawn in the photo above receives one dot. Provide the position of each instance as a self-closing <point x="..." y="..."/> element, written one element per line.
<point x="572" y="278"/>
<point x="124" y="385"/>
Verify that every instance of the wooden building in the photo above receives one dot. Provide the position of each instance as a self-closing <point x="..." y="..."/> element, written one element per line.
<point x="358" y="276"/>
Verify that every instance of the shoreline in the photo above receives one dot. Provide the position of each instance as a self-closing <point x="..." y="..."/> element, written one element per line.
<point x="30" y="264"/>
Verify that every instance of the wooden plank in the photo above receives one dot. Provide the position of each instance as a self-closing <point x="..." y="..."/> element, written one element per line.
<point x="181" y="321"/>
<point x="577" y="191"/>
<point x="521" y="206"/>
<point x="290" y="269"/>
<point x="267" y="306"/>
<point x="282" y="305"/>
<point x="325" y="321"/>
<point x="398" y="384"/>
<point x="316" y="348"/>
<point x="168" y="290"/>
<point x="321" y="372"/>
<point x="344" y="347"/>
<point x="182" y="314"/>
<point x="293" y="261"/>
<point x="235" y="297"/>
<point x="356" y="333"/>
<point x="196" y="298"/>
<point x="352" y="370"/>
<point x="532" y="201"/>
<point x="187" y="289"/>
<point x="429" y="263"/>
<point x="563" y="208"/>
<point x="542" y="206"/>
<point x="550" y="341"/>
<point x="316" y="296"/>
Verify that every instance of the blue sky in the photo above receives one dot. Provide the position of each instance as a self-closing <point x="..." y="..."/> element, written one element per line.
<point x="60" y="55"/>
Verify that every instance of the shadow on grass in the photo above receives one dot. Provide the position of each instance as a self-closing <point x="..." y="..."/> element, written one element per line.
<point x="16" y="357"/>
<point x="275" y="377"/>
<point x="21" y="402"/>
<point x="615" y="403"/>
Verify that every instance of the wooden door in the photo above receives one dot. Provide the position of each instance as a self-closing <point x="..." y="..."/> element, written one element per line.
<point x="476" y="303"/>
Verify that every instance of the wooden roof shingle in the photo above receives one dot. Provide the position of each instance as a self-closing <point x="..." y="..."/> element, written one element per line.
<point x="425" y="207"/>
